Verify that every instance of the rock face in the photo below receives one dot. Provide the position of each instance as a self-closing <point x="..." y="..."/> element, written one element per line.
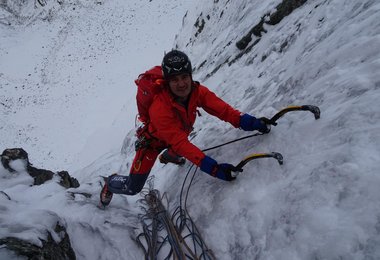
<point x="40" y="175"/>
<point x="12" y="154"/>
<point x="282" y="10"/>
<point x="67" y="181"/>
<point x="52" y="240"/>
<point x="49" y="250"/>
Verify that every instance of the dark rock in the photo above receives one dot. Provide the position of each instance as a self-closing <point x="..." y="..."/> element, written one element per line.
<point x="285" y="8"/>
<point x="49" y="250"/>
<point x="200" y="24"/>
<point x="67" y="181"/>
<point x="12" y="154"/>
<point x="40" y="175"/>
<point x="243" y="42"/>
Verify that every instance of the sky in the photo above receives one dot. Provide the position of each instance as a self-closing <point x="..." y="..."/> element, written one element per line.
<point x="68" y="100"/>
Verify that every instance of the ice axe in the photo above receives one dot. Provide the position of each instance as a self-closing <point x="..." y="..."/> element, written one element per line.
<point x="239" y="167"/>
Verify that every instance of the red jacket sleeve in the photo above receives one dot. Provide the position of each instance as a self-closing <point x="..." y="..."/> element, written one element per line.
<point x="217" y="107"/>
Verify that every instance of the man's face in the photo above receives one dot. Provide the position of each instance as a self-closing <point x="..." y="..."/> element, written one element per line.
<point x="180" y="85"/>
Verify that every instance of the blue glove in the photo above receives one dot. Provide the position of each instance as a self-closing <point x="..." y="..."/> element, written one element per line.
<point x="220" y="171"/>
<point x="251" y="123"/>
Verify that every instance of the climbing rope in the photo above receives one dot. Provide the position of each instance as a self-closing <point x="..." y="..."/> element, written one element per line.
<point x="165" y="237"/>
<point x="177" y="237"/>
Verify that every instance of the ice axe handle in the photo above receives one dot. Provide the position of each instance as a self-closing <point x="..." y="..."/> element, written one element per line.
<point x="239" y="168"/>
<point x="313" y="109"/>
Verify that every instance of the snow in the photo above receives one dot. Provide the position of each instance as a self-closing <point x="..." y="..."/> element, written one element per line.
<point x="73" y="65"/>
<point x="68" y="100"/>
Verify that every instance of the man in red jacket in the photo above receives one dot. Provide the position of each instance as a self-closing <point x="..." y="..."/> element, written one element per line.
<point x="172" y="116"/>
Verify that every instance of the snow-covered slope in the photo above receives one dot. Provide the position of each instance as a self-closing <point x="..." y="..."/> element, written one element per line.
<point x="321" y="204"/>
<point x="67" y="80"/>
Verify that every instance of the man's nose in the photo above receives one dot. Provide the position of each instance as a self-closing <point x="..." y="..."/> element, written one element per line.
<point x="181" y="82"/>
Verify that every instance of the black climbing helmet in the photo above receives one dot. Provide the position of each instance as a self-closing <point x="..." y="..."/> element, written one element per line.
<point x="175" y="62"/>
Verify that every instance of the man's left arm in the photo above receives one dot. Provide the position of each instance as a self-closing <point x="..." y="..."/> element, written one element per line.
<point x="215" y="106"/>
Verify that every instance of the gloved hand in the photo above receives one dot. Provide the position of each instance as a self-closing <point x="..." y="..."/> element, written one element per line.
<point x="220" y="171"/>
<point x="250" y="123"/>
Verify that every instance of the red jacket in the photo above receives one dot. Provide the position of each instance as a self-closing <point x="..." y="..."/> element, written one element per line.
<point x="172" y="123"/>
